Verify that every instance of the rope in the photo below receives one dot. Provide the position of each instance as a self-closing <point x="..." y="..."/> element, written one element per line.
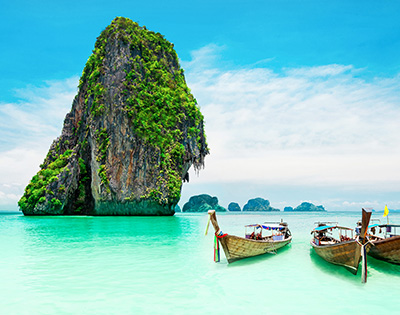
<point x="369" y="241"/>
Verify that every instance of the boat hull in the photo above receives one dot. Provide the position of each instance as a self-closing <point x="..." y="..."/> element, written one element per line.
<point x="236" y="247"/>
<point x="347" y="254"/>
<point x="387" y="249"/>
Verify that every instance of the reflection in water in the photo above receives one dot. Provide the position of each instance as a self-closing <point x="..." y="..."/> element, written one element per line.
<point x="383" y="266"/>
<point x="332" y="269"/>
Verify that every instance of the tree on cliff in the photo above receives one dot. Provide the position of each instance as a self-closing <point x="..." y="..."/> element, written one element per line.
<point x="133" y="132"/>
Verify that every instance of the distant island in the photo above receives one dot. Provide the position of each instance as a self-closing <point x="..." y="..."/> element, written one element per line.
<point x="234" y="206"/>
<point x="202" y="203"/>
<point x="305" y="207"/>
<point x="258" y="204"/>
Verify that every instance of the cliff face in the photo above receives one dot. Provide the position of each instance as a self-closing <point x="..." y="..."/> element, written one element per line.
<point x="133" y="132"/>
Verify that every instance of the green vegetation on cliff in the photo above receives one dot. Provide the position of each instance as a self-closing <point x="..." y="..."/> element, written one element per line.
<point x="133" y="131"/>
<point x="36" y="190"/>
<point x="157" y="100"/>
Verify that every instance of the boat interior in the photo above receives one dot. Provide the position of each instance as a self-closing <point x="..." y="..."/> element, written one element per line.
<point x="329" y="233"/>
<point x="378" y="231"/>
<point x="273" y="231"/>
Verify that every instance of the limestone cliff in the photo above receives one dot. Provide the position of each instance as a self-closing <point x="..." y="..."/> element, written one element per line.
<point x="133" y="132"/>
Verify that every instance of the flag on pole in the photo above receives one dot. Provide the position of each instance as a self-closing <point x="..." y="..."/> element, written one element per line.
<point x="386" y="211"/>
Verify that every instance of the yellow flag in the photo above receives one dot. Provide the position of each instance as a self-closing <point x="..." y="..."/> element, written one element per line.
<point x="386" y="211"/>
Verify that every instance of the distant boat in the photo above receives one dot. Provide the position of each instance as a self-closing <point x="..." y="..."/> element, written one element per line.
<point x="385" y="242"/>
<point x="344" y="249"/>
<point x="254" y="243"/>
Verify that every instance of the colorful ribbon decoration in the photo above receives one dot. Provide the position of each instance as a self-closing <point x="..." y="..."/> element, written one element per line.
<point x="216" y="249"/>
<point x="218" y="234"/>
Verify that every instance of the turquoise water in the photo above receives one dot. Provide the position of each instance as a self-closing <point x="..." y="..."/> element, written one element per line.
<point x="164" y="265"/>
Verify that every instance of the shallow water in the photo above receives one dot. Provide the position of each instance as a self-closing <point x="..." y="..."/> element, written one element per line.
<point x="127" y="265"/>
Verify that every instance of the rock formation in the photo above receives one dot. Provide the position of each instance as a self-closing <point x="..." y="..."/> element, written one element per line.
<point x="306" y="207"/>
<point x="202" y="203"/>
<point x="258" y="204"/>
<point x="233" y="206"/>
<point x="133" y="132"/>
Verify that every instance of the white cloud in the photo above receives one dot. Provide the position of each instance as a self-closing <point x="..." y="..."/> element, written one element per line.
<point x="28" y="129"/>
<point x="320" y="71"/>
<point x="315" y="126"/>
<point x="38" y="116"/>
<point x="364" y="204"/>
<point x="308" y="126"/>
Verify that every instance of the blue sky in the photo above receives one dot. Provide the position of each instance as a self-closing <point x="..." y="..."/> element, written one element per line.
<point x="301" y="98"/>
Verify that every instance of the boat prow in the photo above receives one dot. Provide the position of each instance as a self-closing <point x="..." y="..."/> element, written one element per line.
<point x="338" y="245"/>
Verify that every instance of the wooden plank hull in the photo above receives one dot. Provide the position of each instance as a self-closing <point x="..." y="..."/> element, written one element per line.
<point x="387" y="249"/>
<point x="347" y="254"/>
<point x="236" y="247"/>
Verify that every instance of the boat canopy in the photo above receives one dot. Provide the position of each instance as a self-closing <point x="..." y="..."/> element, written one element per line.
<point x="267" y="226"/>
<point x="324" y="227"/>
<point x="389" y="225"/>
<point x="373" y="225"/>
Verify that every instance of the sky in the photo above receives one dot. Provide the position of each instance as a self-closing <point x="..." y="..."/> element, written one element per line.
<point x="301" y="98"/>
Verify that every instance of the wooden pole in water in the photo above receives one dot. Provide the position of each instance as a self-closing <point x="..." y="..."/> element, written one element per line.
<point x="366" y="216"/>
<point x="364" y="267"/>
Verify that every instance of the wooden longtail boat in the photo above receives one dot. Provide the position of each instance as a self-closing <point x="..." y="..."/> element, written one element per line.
<point x="344" y="250"/>
<point x="253" y="244"/>
<point x="385" y="242"/>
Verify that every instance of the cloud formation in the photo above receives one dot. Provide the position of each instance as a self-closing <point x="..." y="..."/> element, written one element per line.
<point x="39" y="114"/>
<point x="28" y="128"/>
<point x="322" y="125"/>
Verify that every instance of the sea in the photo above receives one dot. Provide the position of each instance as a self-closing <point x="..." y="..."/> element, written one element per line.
<point x="165" y="265"/>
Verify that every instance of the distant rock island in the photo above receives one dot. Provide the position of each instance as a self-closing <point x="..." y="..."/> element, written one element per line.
<point x="233" y="206"/>
<point x="133" y="132"/>
<point x="258" y="204"/>
<point x="202" y="203"/>
<point x="305" y="207"/>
